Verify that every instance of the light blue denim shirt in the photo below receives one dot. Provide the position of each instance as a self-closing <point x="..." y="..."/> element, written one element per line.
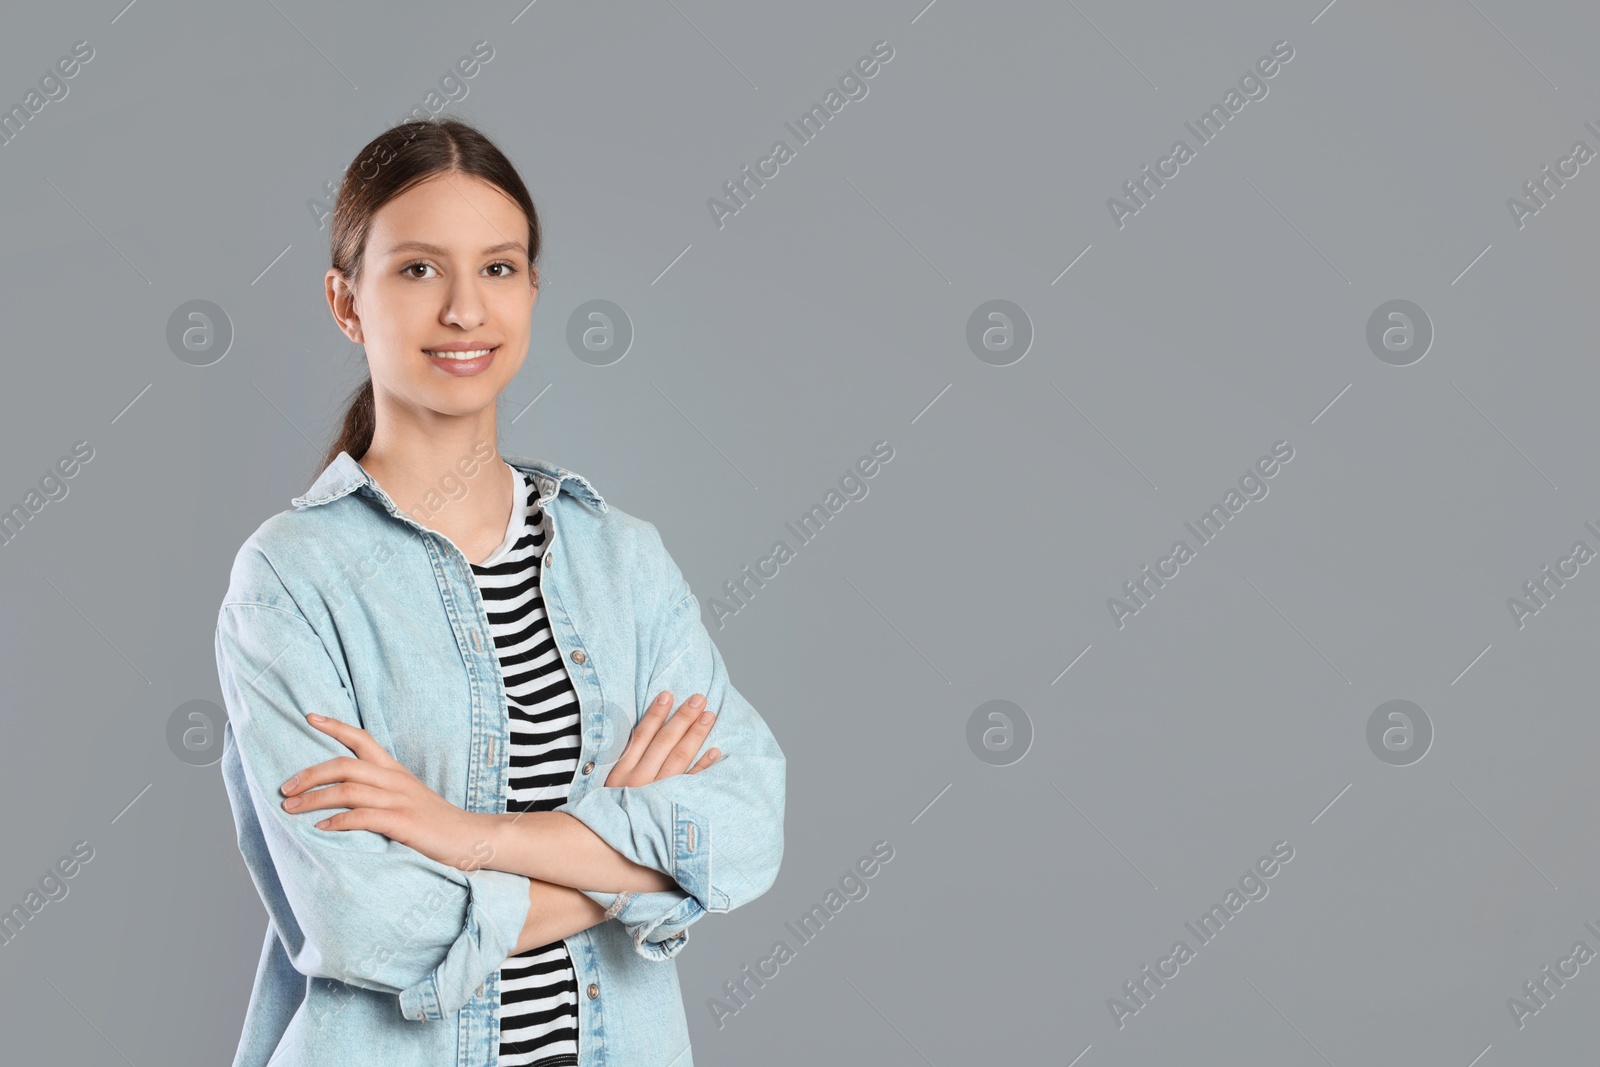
<point x="376" y="954"/>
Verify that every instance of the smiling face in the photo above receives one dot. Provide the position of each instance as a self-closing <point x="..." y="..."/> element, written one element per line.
<point x="445" y="270"/>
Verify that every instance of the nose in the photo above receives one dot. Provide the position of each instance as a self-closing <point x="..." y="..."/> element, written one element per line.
<point x="464" y="306"/>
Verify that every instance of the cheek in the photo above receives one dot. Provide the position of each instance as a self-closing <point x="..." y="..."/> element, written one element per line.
<point x="508" y="363"/>
<point x="401" y="322"/>
<point x="393" y="361"/>
<point x="510" y="321"/>
<point x="395" y="327"/>
<point x="511" y="313"/>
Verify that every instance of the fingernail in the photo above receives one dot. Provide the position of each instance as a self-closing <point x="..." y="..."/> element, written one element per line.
<point x="663" y="698"/>
<point x="706" y="717"/>
<point x="314" y="717"/>
<point x="697" y="701"/>
<point x="290" y="783"/>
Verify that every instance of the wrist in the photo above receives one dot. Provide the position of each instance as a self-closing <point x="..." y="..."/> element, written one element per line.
<point x="481" y="840"/>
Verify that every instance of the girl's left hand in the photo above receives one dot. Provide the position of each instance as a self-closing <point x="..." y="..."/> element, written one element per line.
<point x="383" y="796"/>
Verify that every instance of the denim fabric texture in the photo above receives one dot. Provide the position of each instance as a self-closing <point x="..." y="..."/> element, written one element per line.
<point x="376" y="954"/>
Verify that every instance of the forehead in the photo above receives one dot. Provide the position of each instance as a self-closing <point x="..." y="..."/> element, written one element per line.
<point x="450" y="214"/>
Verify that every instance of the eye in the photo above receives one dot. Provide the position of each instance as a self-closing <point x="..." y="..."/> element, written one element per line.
<point x="507" y="269"/>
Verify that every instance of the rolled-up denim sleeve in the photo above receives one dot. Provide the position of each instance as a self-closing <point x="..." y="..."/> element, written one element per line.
<point x="718" y="832"/>
<point x="350" y="905"/>
<point x="658" y="922"/>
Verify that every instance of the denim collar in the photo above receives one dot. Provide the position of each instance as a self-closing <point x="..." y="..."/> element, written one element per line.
<point x="345" y="475"/>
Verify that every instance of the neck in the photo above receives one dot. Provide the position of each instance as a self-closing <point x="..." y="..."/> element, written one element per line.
<point x="444" y="474"/>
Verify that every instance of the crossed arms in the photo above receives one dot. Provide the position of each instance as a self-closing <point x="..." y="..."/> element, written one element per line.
<point x="363" y="909"/>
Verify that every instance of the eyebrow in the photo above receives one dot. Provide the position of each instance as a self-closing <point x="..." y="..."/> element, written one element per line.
<point x="423" y="246"/>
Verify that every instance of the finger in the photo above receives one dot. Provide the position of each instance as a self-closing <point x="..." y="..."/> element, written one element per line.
<point x="666" y="739"/>
<point x="353" y="737"/>
<point x="379" y="822"/>
<point x="682" y="754"/>
<point x="338" y="769"/>
<point x="639" y="740"/>
<point x="339" y="795"/>
<point x="705" y="761"/>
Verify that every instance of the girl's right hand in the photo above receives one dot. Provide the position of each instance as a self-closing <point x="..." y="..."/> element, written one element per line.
<point x="656" y="751"/>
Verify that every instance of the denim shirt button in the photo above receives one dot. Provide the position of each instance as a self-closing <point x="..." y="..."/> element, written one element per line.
<point x="588" y="767"/>
<point x="548" y="556"/>
<point x="480" y="991"/>
<point x="578" y="656"/>
<point x="594" y="991"/>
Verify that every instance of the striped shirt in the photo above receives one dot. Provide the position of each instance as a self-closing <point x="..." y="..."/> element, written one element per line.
<point x="538" y="1008"/>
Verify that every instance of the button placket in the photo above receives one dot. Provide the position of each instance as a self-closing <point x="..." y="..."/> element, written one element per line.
<point x="488" y="797"/>
<point x="577" y="655"/>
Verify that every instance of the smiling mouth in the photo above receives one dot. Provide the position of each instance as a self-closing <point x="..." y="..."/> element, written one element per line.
<point x="469" y="354"/>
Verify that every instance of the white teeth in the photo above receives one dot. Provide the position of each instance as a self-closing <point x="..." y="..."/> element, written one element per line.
<point x="474" y="354"/>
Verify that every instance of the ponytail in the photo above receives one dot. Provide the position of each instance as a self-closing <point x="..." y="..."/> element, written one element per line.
<point x="355" y="435"/>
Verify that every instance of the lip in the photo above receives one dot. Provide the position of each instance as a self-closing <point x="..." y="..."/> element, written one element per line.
<point x="461" y="368"/>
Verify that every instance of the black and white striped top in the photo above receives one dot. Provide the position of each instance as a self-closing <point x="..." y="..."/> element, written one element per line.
<point x="538" y="1009"/>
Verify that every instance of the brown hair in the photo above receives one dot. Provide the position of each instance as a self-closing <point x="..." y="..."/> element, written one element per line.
<point x="391" y="163"/>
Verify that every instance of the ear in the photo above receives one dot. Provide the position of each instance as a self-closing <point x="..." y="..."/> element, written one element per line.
<point x="342" y="303"/>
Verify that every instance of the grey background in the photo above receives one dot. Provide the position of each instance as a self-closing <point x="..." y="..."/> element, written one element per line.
<point x="828" y="314"/>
